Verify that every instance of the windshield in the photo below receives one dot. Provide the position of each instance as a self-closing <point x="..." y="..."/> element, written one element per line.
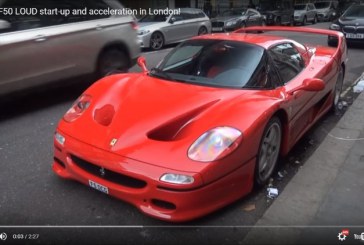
<point x="154" y="18"/>
<point x="300" y="7"/>
<point x="355" y="11"/>
<point x="322" y="5"/>
<point x="216" y="63"/>
<point x="234" y="12"/>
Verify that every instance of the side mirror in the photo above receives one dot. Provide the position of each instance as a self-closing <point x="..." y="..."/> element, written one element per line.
<point x="310" y="84"/>
<point x="172" y="20"/>
<point x="4" y="25"/>
<point x="142" y="64"/>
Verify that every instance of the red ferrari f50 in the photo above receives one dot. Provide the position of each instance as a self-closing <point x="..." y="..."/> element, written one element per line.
<point x="195" y="133"/>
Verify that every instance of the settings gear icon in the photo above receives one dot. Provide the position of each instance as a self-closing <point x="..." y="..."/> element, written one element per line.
<point x="341" y="236"/>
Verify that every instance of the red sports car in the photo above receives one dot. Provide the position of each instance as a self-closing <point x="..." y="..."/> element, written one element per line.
<point x="195" y="133"/>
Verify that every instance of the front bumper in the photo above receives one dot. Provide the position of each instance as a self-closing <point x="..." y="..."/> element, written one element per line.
<point x="142" y="187"/>
<point x="323" y="17"/>
<point x="298" y="19"/>
<point x="144" y="40"/>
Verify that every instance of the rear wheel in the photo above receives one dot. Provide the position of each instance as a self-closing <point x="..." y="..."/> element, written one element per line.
<point x="332" y="42"/>
<point x="112" y="61"/>
<point x="268" y="152"/>
<point x="338" y="88"/>
<point x="202" y="31"/>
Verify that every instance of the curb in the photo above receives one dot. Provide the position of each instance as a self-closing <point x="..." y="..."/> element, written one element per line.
<point x="301" y="199"/>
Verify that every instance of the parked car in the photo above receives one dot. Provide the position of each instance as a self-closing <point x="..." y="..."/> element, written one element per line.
<point x="233" y="19"/>
<point x="304" y="13"/>
<point x="155" y="31"/>
<point x="277" y="12"/>
<point x="195" y="133"/>
<point x="39" y="49"/>
<point x="351" y="23"/>
<point x="326" y="10"/>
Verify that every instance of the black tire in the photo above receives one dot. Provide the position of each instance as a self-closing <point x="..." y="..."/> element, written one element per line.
<point x="278" y="21"/>
<point x="338" y="89"/>
<point x="156" y="41"/>
<point x="111" y="61"/>
<point x="332" y="42"/>
<point x="268" y="152"/>
<point x="304" y="22"/>
<point x="315" y="20"/>
<point x="202" y="31"/>
<point x="291" y="21"/>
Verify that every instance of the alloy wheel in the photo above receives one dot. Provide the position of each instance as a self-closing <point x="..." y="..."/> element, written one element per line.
<point x="156" y="41"/>
<point x="269" y="151"/>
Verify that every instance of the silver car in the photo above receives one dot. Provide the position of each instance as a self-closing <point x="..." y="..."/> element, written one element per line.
<point x="326" y="10"/>
<point x="304" y="13"/>
<point x="155" y="31"/>
<point x="38" y="47"/>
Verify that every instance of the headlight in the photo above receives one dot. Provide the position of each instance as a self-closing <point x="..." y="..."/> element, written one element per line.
<point x="231" y="23"/>
<point x="143" y="32"/>
<point x="215" y="144"/>
<point x="78" y="108"/>
<point x="177" y="179"/>
<point x="335" y="27"/>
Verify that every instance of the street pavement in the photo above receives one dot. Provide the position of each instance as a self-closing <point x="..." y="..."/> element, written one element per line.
<point x="326" y="196"/>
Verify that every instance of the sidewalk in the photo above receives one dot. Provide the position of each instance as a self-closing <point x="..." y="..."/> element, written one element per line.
<point x="326" y="195"/>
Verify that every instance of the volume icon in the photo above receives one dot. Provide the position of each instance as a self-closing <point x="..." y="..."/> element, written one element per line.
<point x="3" y="236"/>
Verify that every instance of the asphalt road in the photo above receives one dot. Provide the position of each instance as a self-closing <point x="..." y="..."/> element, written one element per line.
<point x="32" y="195"/>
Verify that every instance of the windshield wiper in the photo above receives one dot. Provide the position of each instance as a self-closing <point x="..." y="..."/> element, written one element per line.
<point x="156" y="72"/>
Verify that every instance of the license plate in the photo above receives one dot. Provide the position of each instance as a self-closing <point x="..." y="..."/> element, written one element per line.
<point x="355" y="36"/>
<point x="217" y="29"/>
<point x="98" y="187"/>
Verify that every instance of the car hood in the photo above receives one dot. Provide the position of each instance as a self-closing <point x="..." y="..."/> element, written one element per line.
<point x="152" y="118"/>
<point x="351" y="21"/>
<point x="299" y="12"/>
<point x="225" y="18"/>
<point x="323" y="10"/>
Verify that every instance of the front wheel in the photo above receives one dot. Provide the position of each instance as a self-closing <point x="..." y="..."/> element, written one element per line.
<point x="315" y="20"/>
<point x="304" y="22"/>
<point x="268" y="152"/>
<point x="156" y="41"/>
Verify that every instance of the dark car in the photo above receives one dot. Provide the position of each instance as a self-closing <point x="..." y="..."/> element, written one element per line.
<point x="277" y="12"/>
<point x="234" y="19"/>
<point x="351" y="23"/>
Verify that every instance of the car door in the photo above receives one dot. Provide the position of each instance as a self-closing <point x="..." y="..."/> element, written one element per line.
<point x="310" y="12"/>
<point x="24" y="49"/>
<point x="289" y="64"/>
<point x="176" y="28"/>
